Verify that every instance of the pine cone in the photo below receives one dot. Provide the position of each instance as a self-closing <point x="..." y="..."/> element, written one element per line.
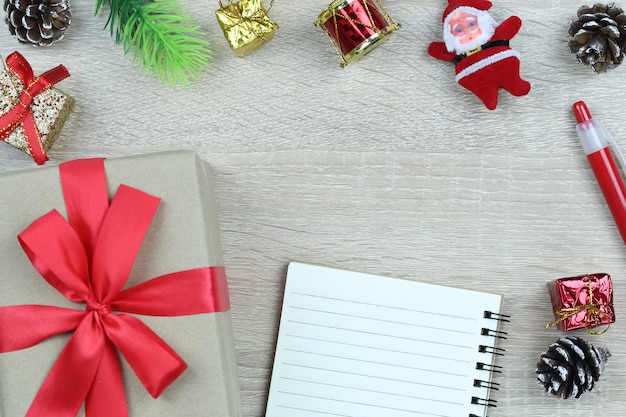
<point x="570" y="367"/>
<point x="39" y="22"/>
<point x="599" y="36"/>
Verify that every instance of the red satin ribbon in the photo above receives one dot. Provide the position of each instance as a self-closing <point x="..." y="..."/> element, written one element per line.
<point x="88" y="261"/>
<point x="22" y="113"/>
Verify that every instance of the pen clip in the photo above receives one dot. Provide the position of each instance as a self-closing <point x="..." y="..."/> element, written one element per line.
<point x="614" y="145"/>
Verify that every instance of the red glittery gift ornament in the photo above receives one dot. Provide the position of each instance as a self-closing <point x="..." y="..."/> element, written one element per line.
<point x="584" y="301"/>
<point x="356" y="27"/>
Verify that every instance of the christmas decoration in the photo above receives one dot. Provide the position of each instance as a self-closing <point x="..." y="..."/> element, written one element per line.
<point x="32" y="112"/>
<point x="246" y="25"/>
<point x="584" y="301"/>
<point x="165" y="39"/>
<point x="570" y="367"/>
<point x="76" y="227"/>
<point x="38" y="22"/>
<point x="479" y="48"/>
<point x="599" y="36"/>
<point x="356" y="28"/>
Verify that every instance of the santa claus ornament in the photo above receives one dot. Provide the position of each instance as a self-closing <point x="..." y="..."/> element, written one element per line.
<point x="479" y="48"/>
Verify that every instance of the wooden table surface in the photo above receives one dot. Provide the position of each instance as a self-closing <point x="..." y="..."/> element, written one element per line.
<point x="386" y="166"/>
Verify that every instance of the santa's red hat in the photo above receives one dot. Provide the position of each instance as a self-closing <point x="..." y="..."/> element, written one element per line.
<point x="474" y="4"/>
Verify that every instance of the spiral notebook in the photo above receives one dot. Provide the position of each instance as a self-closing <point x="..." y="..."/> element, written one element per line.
<point x="359" y="345"/>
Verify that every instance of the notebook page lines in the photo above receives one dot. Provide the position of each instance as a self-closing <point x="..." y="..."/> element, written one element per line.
<point x="347" y="357"/>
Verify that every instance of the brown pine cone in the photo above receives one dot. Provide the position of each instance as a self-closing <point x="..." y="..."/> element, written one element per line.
<point x="38" y="22"/>
<point x="599" y="36"/>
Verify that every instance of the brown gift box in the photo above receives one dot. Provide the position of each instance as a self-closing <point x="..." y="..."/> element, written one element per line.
<point x="183" y="235"/>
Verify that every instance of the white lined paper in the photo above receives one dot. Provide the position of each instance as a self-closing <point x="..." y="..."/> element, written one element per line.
<point x="361" y="345"/>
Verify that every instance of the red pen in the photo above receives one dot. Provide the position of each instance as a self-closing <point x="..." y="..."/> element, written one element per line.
<point x="595" y="139"/>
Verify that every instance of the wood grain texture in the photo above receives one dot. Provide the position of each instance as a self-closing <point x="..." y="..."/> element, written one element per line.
<point x="386" y="166"/>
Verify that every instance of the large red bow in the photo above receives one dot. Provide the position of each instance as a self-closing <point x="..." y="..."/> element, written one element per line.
<point x="22" y="113"/>
<point x="88" y="260"/>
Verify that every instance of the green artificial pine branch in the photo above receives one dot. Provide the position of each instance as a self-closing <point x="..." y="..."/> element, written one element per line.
<point x="165" y="39"/>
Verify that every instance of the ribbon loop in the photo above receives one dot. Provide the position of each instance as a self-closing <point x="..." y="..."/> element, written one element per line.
<point x="127" y="221"/>
<point x="56" y="252"/>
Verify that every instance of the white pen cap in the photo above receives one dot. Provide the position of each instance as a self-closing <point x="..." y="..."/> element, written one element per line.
<point x="592" y="133"/>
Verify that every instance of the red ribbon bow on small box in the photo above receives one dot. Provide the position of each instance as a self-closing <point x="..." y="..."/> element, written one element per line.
<point x="88" y="260"/>
<point x="22" y="113"/>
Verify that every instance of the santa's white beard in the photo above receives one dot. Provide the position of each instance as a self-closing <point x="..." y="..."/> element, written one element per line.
<point x="487" y="26"/>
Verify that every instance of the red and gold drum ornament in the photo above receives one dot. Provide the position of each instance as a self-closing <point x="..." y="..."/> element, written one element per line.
<point x="356" y="27"/>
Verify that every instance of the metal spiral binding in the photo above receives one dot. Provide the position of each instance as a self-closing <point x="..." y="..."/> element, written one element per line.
<point x="495" y="333"/>
<point x="486" y="384"/>
<point x="491" y="349"/>
<point x="484" y="401"/>
<point x="489" y="367"/>
<point x="496" y="316"/>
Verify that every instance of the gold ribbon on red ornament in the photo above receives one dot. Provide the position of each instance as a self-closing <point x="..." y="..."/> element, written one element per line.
<point x="88" y="259"/>
<point x="22" y="113"/>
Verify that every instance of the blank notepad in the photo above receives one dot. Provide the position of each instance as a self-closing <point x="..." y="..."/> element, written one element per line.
<point x="360" y="345"/>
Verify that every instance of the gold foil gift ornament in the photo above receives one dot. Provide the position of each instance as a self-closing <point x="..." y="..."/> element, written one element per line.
<point x="245" y="24"/>
<point x="356" y="27"/>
